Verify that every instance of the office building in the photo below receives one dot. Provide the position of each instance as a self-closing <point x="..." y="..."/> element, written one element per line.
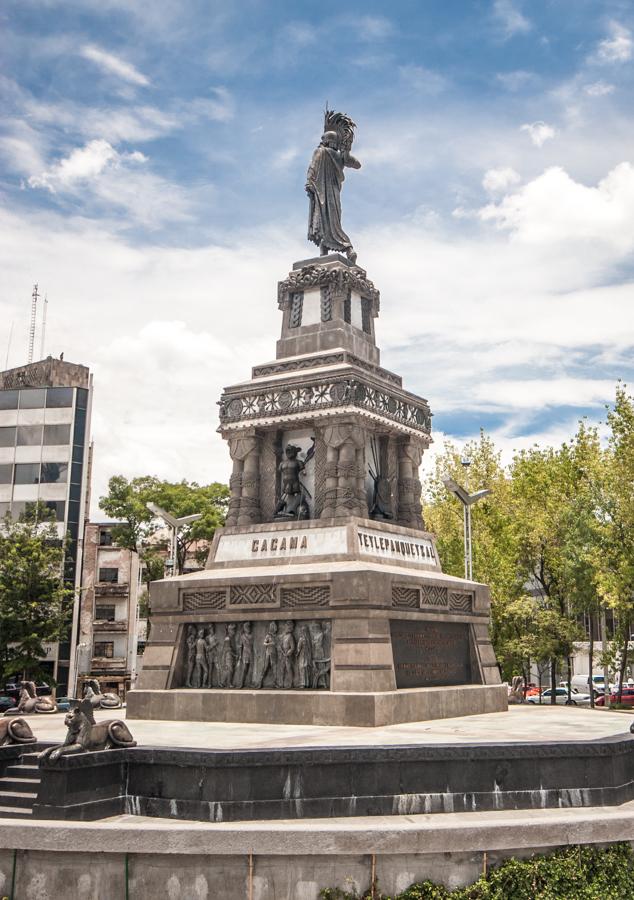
<point x="45" y="452"/>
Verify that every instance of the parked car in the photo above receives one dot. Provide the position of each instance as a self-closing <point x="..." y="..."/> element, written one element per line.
<point x="561" y="697"/>
<point x="627" y="697"/>
<point x="6" y="703"/>
<point x="63" y="704"/>
<point x="582" y="683"/>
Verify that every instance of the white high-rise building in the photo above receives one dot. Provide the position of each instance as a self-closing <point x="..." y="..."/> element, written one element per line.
<point x="45" y="452"/>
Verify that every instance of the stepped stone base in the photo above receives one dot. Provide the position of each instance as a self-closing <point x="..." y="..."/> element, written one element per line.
<point x="318" y="707"/>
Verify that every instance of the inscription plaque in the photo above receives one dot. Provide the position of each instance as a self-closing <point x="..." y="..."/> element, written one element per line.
<point x="428" y="654"/>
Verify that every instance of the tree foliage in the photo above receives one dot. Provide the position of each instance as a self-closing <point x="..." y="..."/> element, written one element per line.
<point x="35" y="603"/>
<point x="554" y="540"/>
<point x="127" y="501"/>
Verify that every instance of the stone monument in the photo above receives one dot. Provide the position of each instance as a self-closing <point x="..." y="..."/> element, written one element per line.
<point x="323" y="599"/>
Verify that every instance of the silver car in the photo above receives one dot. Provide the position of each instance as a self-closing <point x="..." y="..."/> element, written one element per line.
<point x="561" y="697"/>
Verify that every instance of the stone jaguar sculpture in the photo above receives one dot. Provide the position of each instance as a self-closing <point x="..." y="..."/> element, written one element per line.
<point x="85" y="735"/>
<point x="92" y="692"/>
<point x="30" y="703"/>
<point x="15" y="731"/>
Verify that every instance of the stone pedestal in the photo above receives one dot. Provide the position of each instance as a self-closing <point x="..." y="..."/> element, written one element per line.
<point x="323" y="589"/>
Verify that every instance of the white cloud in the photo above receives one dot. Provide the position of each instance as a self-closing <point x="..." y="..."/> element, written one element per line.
<point x="553" y="208"/>
<point x="509" y="18"/>
<point x="617" y="47"/>
<point x="84" y="163"/>
<point x="500" y="179"/>
<point x="220" y="107"/>
<point x="373" y="28"/>
<point x="423" y="80"/>
<point x="99" y="174"/>
<point x="598" y="89"/>
<point x="539" y="132"/>
<point x="113" y="65"/>
<point x="515" y="80"/>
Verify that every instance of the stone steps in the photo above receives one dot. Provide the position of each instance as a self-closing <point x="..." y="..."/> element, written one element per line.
<point x="19" y="787"/>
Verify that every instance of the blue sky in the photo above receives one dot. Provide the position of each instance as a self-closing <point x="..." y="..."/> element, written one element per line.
<point x="153" y="163"/>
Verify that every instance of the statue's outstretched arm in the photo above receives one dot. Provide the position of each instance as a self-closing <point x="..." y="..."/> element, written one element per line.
<point x="351" y="161"/>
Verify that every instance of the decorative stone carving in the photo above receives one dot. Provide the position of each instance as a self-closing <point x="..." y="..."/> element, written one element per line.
<point x="305" y="595"/>
<point x="343" y="486"/>
<point x="200" y="674"/>
<point x="405" y="597"/>
<point x="84" y="734"/>
<point x="30" y="703"/>
<point x="433" y="595"/>
<point x="92" y="692"/>
<point x="15" y="731"/>
<point x="244" y="502"/>
<point x="191" y="654"/>
<point x="410" y="454"/>
<point x="333" y="393"/>
<point x="459" y="602"/>
<point x="193" y="600"/>
<point x="325" y="359"/>
<point x="340" y="280"/>
<point x="263" y="654"/>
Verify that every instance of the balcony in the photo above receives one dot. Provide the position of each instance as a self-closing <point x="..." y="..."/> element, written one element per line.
<point x="105" y="589"/>
<point x="119" y="626"/>
<point x="108" y="665"/>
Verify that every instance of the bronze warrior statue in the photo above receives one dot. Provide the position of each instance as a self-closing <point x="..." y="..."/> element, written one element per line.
<point x="292" y="503"/>
<point x="324" y="180"/>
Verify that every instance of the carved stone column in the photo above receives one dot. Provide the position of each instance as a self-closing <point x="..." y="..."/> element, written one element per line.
<point x="244" y="503"/>
<point x="344" y="489"/>
<point x="410" y="453"/>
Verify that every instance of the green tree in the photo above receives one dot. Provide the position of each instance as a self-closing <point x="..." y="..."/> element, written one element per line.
<point x="127" y="501"/>
<point x="35" y="603"/>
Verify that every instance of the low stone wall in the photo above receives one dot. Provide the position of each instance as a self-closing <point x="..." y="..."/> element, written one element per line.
<point x="144" y="860"/>
<point x="302" y="783"/>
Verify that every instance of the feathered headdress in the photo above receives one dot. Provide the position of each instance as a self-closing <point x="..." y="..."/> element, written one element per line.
<point x="342" y="125"/>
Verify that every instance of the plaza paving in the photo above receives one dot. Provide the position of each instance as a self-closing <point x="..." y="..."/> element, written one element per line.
<point x="519" y="724"/>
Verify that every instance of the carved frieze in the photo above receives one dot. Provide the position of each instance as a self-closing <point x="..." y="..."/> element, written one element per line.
<point x="339" y="279"/>
<point x="284" y="655"/>
<point x="324" y="359"/>
<point x="325" y="395"/>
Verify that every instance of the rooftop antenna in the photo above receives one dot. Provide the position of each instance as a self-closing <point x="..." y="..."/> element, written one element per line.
<point x="43" y="326"/>
<point x="34" y="298"/>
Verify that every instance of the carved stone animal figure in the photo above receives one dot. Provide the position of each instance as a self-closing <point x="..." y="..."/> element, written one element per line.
<point x="15" y="731"/>
<point x="30" y="703"/>
<point x="84" y="734"/>
<point x="92" y="692"/>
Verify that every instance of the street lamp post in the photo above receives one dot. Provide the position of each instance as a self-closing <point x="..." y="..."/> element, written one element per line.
<point x="175" y="524"/>
<point x="467" y="501"/>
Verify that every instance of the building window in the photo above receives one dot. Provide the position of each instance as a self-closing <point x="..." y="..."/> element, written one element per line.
<point x="57" y="507"/>
<point x="105" y="538"/>
<point x="8" y="399"/>
<point x="104" y="613"/>
<point x="59" y="397"/>
<point x="32" y="399"/>
<point x="7" y="436"/>
<point x="57" y="434"/>
<point x="6" y="473"/>
<point x="109" y="576"/>
<point x="29" y="436"/>
<point x="27" y="473"/>
<point x="104" y="649"/>
<point x="54" y="473"/>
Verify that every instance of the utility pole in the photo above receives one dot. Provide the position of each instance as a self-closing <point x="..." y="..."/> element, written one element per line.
<point x="34" y="298"/>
